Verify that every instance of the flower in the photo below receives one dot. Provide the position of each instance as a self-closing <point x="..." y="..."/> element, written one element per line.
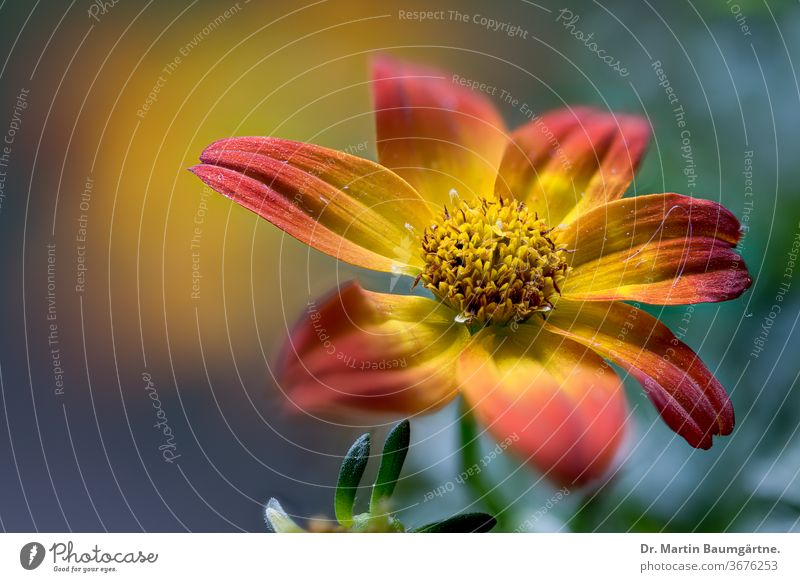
<point x="535" y="263"/>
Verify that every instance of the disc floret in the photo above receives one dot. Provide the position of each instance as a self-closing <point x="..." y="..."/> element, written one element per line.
<point x="493" y="261"/>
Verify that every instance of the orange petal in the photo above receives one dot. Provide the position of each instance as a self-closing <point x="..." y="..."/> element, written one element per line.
<point x="688" y="397"/>
<point x="556" y="400"/>
<point x="342" y="205"/>
<point x="570" y="160"/>
<point x="437" y="134"/>
<point x="665" y="249"/>
<point x="370" y="352"/>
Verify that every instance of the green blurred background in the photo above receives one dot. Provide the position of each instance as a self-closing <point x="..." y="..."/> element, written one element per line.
<point x="118" y="100"/>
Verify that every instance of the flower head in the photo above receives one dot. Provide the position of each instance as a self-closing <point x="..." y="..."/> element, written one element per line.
<point x="535" y="263"/>
<point x="493" y="262"/>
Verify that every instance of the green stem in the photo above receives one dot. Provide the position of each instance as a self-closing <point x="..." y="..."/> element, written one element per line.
<point x="471" y="457"/>
<point x="589" y="513"/>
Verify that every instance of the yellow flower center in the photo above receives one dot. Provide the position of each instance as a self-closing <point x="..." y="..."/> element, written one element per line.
<point x="493" y="262"/>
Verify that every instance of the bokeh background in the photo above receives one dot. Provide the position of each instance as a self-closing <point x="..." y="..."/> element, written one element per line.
<point x="107" y="103"/>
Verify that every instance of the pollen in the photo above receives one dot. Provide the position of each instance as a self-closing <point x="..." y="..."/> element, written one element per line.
<point x="493" y="261"/>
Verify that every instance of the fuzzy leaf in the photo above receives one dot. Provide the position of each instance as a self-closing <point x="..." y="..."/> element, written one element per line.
<point x="350" y="474"/>
<point x="394" y="455"/>
<point x="278" y="520"/>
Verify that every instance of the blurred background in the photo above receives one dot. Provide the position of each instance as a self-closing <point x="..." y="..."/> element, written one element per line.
<point x="134" y="301"/>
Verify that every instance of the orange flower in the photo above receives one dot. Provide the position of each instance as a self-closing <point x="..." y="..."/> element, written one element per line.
<point x="529" y="252"/>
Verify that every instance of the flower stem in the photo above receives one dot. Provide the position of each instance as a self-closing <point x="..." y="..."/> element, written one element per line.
<point x="591" y="512"/>
<point x="471" y="461"/>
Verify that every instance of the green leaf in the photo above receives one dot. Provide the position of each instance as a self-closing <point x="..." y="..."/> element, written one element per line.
<point x="350" y="474"/>
<point x="278" y="520"/>
<point x="464" y="523"/>
<point x="394" y="455"/>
